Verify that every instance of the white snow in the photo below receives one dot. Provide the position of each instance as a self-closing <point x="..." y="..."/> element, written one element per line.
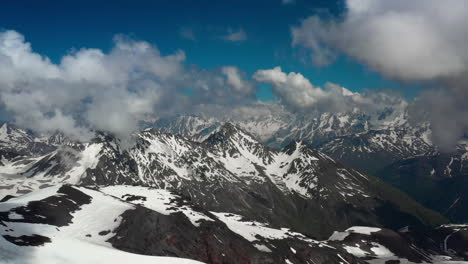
<point x="89" y="159"/>
<point x="4" y="132"/>
<point x="28" y="174"/>
<point x="14" y="215"/>
<point x="344" y="260"/>
<point x="74" y="251"/>
<point x="338" y="236"/>
<point x="381" y="251"/>
<point x="157" y="200"/>
<point x="105" y="205"/>
<point x="78" y="242"/>
<point x="356" y="251"/>
<point x="25" y="199"/>
<point x="250" y="230"/>
<point x="363" y="230"/>
<point x="448" y="170"/>
<point x="262" y="248"/>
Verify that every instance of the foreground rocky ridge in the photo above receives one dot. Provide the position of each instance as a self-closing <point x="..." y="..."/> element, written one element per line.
<point x="110" y="223"/>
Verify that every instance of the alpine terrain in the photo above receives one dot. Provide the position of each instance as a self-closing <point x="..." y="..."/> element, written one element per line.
<point x="224" y="199"/>
<point x="385" y="143"/>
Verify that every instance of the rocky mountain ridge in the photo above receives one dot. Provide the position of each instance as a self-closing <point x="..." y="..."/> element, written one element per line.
<point x="293" y="187"/>
<point x="122" y="223"/>
<point x="382" y="144"/>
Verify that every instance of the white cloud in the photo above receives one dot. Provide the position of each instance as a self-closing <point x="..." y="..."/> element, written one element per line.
<point x="293" y="88"/>
<point x="409" y="40"/>
<point x="90" y="89"/>
<point x="235" y="36"/>
<point x="93" y="90"/>
<point x="418" y="40"/>
<point x="225" y="86"/>
<point x="234" y="79"/>
<point x="299" y="94"/>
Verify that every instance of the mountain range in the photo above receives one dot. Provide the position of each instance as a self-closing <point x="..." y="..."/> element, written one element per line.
<point x="377" y="144"/>
<point x="189" y="193"/>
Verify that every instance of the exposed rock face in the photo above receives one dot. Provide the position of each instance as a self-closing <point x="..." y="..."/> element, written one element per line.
<point x="437" y="180"/>
<point x="367" y="141"/>
<point x="157" y="222"/>
<point x="171" y="227"/>
<point x="230" y="171"/>
<point x="226" y="199"/>
<point x="384" y="144"/>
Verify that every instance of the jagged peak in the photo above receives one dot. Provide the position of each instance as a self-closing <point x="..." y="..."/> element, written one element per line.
<point x="4" y="126"/>
<point x="9" y="132"/>
<point x="3" y="131"/>
<point x="229" y="132"/>
<point x="295" y="145"/>
<point x="301" y="148"/>
<point x="228" y="129"/>
<point x="155" y="132"/>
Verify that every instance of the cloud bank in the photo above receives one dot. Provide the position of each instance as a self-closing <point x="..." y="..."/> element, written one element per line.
<point x="412" y="41"/>
<point x="113" y="91"/>
<point x="408" y="40"/>
<point x="92" y="90"/>
<point x="297" y="93"/>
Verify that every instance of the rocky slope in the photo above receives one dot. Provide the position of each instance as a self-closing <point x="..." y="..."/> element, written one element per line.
<point x="230" y="171"/>
<point x="123" y="224"/>
<point x="437" y="180"/>
<point x="356" y="138"/>
<point x="385" y="144"/>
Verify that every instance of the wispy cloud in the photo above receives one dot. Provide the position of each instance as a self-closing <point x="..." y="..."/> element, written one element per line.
<point x="235" y="36"/>
<point x="288" y="2"/>
<point x="188" y="33"/>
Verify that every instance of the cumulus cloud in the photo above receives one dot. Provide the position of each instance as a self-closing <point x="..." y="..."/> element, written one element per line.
<point x="293" y="88"/>
<point x="112" y="91"/>
<point x="92" y="90"/>
<point x="299" y="94"/>
<point x="235" y="36"/>
<point x="409" y="40"/>
<point x="412" y="41"/>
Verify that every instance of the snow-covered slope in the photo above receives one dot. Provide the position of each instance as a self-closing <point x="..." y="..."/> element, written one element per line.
<point x="64" y="224"/>
<point x="368" y="141"/>
<point x="16" y="142"/>
<point x="81" y="225"/>
<point x="385" y="144"/>
<point x="229" y="171"/>
<point x="134" y="224"/>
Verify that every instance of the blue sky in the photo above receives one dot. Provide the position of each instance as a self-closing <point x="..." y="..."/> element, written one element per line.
<point x="420" y="45"/>
<point x="57" y="27"/>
